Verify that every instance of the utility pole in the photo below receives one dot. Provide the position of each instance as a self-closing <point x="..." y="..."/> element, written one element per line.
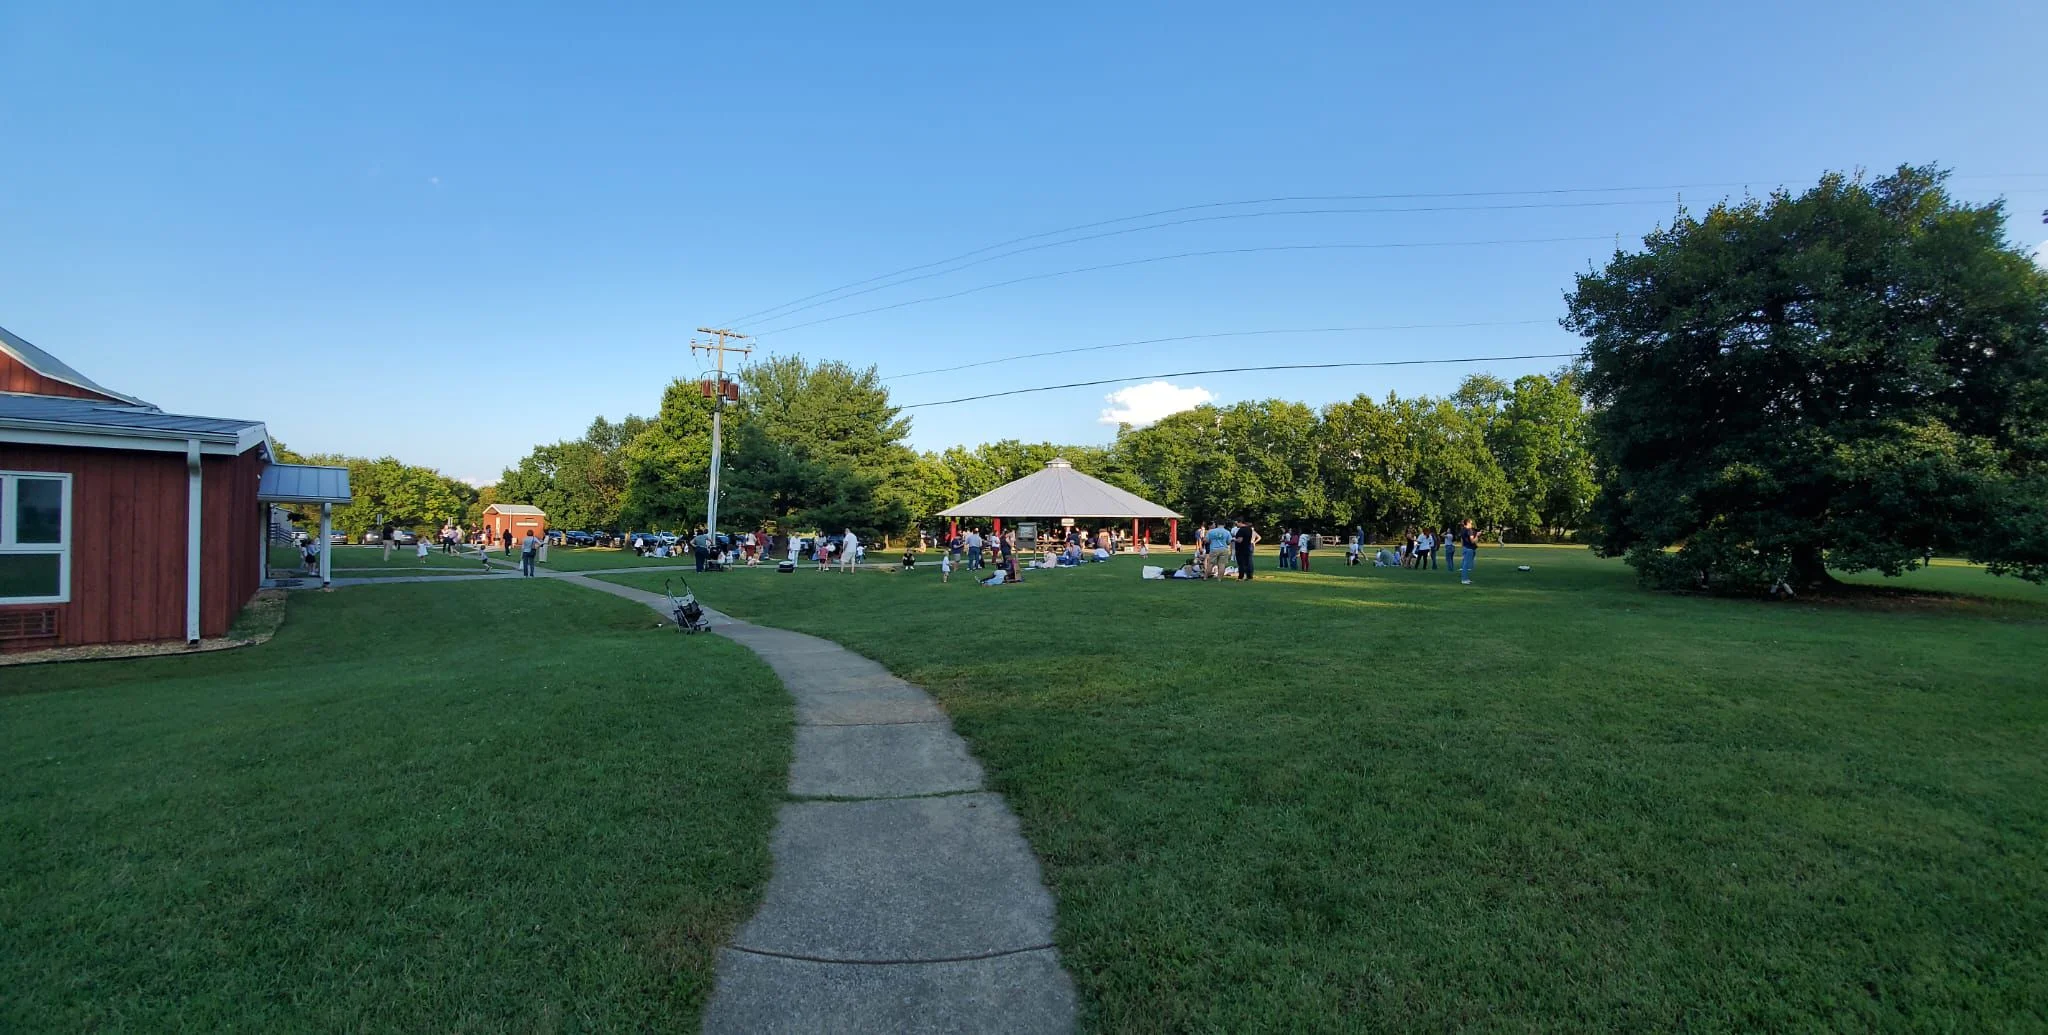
<point x="720" y="391"/>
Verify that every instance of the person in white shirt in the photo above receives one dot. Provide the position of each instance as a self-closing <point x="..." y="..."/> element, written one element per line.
<point x="973" y="549"/>
<point x="849" y="551"/>
<point x="1425" y="550"/>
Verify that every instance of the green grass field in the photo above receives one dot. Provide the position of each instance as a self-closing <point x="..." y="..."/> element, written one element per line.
<point x="1362" y="799"/>
<point x="467" y="807"/>
<point x="595" y="558"/>
<point x="367" y="562"/>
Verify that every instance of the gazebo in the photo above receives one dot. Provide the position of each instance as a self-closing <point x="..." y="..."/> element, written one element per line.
<point x="1059" y="491"/>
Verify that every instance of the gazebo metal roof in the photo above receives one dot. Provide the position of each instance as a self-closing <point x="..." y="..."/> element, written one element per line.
<point x="1059" y="491"/>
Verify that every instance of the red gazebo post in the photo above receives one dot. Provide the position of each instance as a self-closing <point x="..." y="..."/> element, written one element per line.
<point x="999" y="528"/>
<point x="1173" y="532"/>
<point x="1134" y="534"/>
<point x="954" y="532"/>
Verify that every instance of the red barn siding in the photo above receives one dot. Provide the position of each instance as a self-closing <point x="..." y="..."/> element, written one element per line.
<point x="15" y="376"/>
<point x="128" y="540"/>
<point x="233" y="532"/>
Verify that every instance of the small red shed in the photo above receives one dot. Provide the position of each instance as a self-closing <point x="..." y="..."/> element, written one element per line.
<point x="517" y="518"/>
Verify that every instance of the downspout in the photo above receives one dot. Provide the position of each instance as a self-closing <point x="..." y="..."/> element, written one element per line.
<point x="192" y="555"/>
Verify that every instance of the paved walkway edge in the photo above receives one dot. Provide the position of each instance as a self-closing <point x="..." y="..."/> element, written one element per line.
<point x="904" y="897"/>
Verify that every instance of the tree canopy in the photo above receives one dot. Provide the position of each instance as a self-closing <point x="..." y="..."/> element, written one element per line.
<point x="1850" y="377"/>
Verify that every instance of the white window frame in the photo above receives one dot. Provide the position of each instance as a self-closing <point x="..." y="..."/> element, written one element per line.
<point x="8" y="515"/>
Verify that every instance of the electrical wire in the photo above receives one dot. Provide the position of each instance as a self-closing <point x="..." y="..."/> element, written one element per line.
<point x="1284" y="200"/>
<point x="1216" y="334"/>
<point x="1179" y="255"/>
<point x="1239" y="370"/>
<point x="892" y="410"/>
<point x="1296" y="199"/>
<point x="1210" y="219"/>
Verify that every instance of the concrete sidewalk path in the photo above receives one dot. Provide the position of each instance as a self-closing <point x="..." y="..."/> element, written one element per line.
<point x="904" y="897"/>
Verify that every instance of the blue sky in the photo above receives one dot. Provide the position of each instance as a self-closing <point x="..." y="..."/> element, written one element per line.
<point x="453" y="235"/>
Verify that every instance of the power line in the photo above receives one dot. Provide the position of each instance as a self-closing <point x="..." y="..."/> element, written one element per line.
<point x="895" y="408"/>
<point x="1211" y="219"/>
<point x="1238" y="370"/>
<point x="1296" y="199"/>
<point x="1216" y="334"/>
<point x="1180" y="255"/>
<point x="1285" y="200"/>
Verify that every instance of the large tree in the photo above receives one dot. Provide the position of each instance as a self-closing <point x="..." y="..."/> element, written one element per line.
<point x="1849" y="377"/>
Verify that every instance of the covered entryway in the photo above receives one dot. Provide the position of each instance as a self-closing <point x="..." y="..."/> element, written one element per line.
<point x="305" y="485"/>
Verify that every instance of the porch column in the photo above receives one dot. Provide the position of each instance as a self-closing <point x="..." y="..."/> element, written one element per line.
<point x="1173" y="532"/>
<point x="999" y="528"/>
<point x="1134" y="533"/>
<point x="326" y="544"/>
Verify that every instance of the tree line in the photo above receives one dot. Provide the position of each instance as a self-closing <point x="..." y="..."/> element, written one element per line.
<point x="818" y="445"/>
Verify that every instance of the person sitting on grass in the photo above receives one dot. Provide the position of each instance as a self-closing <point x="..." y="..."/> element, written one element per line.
<point x="1190" y="570"/>
<point x="909" y="557"/>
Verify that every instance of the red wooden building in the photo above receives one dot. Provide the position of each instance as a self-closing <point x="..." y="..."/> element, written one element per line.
<point x="120" y="522"/>
<point x="517" y="518"/>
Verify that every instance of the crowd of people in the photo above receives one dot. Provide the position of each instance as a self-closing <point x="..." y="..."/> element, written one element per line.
<point x="1222" y="549"/>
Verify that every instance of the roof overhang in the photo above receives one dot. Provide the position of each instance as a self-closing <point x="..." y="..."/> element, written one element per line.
<point x="304" y="483"/>
<point x="94" y="436"/>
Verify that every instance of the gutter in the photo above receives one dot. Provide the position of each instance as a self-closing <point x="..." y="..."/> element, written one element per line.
<point x="194" y="481"/>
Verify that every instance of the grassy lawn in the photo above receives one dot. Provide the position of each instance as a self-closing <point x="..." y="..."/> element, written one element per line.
<point x="360" y="562"/>
<point x="592" y="558"/>
<point x="1361" y="799"/>
<point x="468" y="807"/>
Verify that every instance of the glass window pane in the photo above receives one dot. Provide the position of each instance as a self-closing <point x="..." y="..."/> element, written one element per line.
<point x="30" y="575"/>
<point x="38" y="510"/>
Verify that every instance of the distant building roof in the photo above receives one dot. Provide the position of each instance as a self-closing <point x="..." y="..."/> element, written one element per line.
<point x="1059" y="491"/>
<point x="303" y="483"/>
<point x="56" y="369"/>
<point x="516" y="510"/>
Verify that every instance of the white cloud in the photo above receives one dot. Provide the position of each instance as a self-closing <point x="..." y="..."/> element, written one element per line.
<point x="1144" y="404"/>
<point x="435" y="180"/>
<point x="477" y="481"/>
<point x="2041" y="255"/>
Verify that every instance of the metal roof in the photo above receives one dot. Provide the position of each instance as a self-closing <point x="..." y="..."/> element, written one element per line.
<point x="55" y="369"/>
<point x="303" y="483"/>
<point x="516" y="510"/>
<point x="1059" y="491"/>
<point x="93" y="415"/>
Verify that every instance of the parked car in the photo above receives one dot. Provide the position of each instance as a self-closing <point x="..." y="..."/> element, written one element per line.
<point x="579" y="539"/>
<point x="404" y="536"/>
<point x="337" y="538"/>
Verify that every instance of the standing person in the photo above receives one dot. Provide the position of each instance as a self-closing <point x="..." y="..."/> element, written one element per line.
<point x="508" y="542"/>
<point x="528" y="547"/>
<point x="1303" y="543"/>
<point x="1351" y="548"/>
<point x="973" y="550"/>
<point x="789" y="543"/>
<point x="387" y="537"/>
<point x="700" y="548"/>
<point x="1449" y="541"/>
<point x="1220" y="537"/>
<point x="420" y="549"/>
<point x="955" y="545"/>
<point x="1242" y="540"/>
<point x="946" y="567"/>
<point x="1468" y="538"/>
<point x="849" y="550"/>
<point x="1425" y="551"/>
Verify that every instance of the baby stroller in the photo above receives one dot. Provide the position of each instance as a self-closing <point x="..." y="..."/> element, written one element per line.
<point x="689" y="614"/>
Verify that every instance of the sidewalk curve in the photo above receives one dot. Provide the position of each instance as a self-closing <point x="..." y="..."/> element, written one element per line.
<point x="904" y="897"/>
